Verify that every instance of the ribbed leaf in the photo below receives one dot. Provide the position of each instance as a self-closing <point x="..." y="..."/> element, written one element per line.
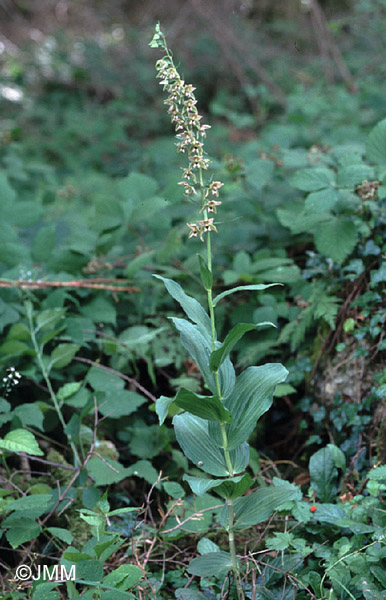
<point x="252" y="397"/>
<point x="211" y="563"/>
<point x="259" y="506"/>
<point x="206" y="275"/>
<point x="243" y="288"/>
<point x="206" y="407"/>
<point x="191" y="306"/>
<point x="192" y="436"/>
<point x="218" y="356"/>
<point x="200" y="349"/>
<point x="232" y="487"/>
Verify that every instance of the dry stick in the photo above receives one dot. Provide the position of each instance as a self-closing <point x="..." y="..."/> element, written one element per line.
<point x="119" y="374"/>
<point x="322" y="42"/>
<point x="227" y="39"/>
<point x="94" y="284"/>
<point x="333" y="47"/>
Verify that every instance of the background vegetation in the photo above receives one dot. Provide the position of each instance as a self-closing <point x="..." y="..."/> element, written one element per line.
<point x="90" y="209"/>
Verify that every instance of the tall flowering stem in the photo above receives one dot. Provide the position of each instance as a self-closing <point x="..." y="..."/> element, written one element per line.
<point x="190" y="133"/>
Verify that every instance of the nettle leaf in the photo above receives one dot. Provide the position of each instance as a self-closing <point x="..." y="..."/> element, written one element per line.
<point x="21" y="440"/>
<point x="321" y="201"/>
<point x="191" y="306"/>
<point x="23" y="532"/>
<point x="200" y="349"/>
<point x="207" y="407"/>
<point x="259" y="506"/>
<point x="352" y="175"/>
<point x="312" y="180"/>
<point x="232" y="487"/>
<point x="258" y="172"/>
<point x="251" y="398"/>
<point x="218" y="356"/>
<point x="378" y="473"/>
<point x="243" y="288"/>
<point x="376" y="143"/>
<point x="336" y="238"/>
<point x="211" y="563"/>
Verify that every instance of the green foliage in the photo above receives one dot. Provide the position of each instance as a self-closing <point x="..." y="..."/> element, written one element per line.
<point x="89" y="208"/>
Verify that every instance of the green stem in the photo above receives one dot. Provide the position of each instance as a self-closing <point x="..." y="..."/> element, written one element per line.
<point x="231" y="514"/>
<point x="48" y="381"/>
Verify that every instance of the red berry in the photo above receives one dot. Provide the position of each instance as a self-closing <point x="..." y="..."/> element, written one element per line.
<point x="313" y="508"/>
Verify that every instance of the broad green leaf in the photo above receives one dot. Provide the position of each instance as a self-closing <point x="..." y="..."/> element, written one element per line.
<point x="353" y="175"/>
<point x="30" y="414"/>
<point x="100" y="310"/>
<point x="322" y="201"/>
<point x="259" y="506"/>
<point x="258" y="172"/>
<point x="119" y="403"/>
<point x="26" y="530"/>
<point x="43" y="243"/>
<point x="62" y="355"/>
<point x="21" y="440"/>
<point x="232" y="487"/>
<point x="336" y="238"/>
<point x="36" y="503"/>
<point x="89" y="570"/>
<point x="200" y="349"/>
<point x="69" y="389"/>
<point x="124" y="577"/>
<point x="212" y="563"/>
<point x="47" y="319"/>
<point x="251" y="398"/>
<point x="206" y="275"/>
<point x="206" y="545"/>
<point x="121" y="511"/>
<point x="191" y="306"/>
<point x="105" y="471"/>
<point x="144" y="469"/>
<point x="62" y="534"/>
<point x="378" y="473"/>
<point x="162" y="408"/>
<point x="323" y="474"/>
<point x="188" y="594"/>
<point x="230" y="341"/>
<point x="205" y="407"/>
<point x="376" y="143"/>
<point x="192" y="435"/>
<point x="243" y="288"/>
<point x="174" y="489"/>
<point x="312" y="180"/>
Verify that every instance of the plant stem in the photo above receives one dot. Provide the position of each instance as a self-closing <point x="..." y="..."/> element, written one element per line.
<point x="231" y="514"/>
<point x="44" y="371"/>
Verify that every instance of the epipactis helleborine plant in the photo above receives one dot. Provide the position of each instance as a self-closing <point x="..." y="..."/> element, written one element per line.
<point x="213" y="430"/>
